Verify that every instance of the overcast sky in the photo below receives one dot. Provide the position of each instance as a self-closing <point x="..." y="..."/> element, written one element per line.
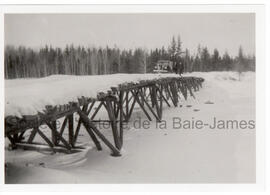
<point x="222" y="31"/>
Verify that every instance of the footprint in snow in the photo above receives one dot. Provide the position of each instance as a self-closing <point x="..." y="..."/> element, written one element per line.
<point x="42" y="164"/>
<point x="209" y="102"/>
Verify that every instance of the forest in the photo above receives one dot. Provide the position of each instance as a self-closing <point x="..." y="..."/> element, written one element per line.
<point x="23" y="62"/>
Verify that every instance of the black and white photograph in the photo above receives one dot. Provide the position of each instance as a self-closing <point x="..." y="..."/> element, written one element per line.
<point x="130" y="97"/>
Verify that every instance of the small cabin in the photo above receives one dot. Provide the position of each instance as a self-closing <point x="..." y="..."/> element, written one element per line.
<point x="163" y="66"/>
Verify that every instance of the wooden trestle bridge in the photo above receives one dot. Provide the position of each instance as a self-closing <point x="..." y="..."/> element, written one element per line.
<point x="119" y="103"/>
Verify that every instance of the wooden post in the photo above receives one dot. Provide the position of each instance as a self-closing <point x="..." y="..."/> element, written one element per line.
<point x="162" y="96"/>
<point x="127" y="107"/>
<point x="53" y="133"/>
<point x="131" y="110"/>
<point x="155" y="102"/>
<point x="151" y="96"/>
<point x="113" y="123"/>
<point x="70" y="130"/>
<point x="174" y="95"/>
<point x="140" y="104"/>
<point x="160" y="102"/>
<point x="89" y="131"/>
<point x="121" y="117"/>
<point x="32" y="135"/>
<point x="63" y="128"/>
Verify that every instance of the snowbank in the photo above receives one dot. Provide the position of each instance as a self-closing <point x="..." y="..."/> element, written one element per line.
<point x="28" y="96"/>
<point x="224" y="76"/>
<point x="230" y="81"/>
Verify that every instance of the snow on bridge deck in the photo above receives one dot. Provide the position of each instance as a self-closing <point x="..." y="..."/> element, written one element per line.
<point x="28" y="96"/>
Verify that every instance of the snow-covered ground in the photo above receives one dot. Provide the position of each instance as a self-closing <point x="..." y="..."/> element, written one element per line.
<point x="28" y="96"/>
<point x="158" y="154"/>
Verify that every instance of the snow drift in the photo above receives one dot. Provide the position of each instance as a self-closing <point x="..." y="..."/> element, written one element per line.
<point x="28" y="96"/>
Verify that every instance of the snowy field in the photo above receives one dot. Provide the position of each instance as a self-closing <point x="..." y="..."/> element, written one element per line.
<point x="28" y="96"/>
<point x="157" y="154"/>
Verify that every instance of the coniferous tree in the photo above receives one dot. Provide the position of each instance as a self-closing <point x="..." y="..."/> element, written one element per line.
<point x="21" y="62"/>
<point x="240" y="62"/>
<point x="215" y="62"/>
<point x="172" y="48"/>
<point x="179" y="46"/>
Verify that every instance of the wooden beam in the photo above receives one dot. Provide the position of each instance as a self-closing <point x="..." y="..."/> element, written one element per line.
<point x="90" y="107"/>
<point x="45" y="139"/>
<point x="70" y="130"/>
<point x="53" y="133"/>
<point x="64" y="124"/>
<point x="162" y="96"/>
<point x="153" y="99"/>
<point x="58" y="136"/>
<point x="142" y="107"/>
<point x="96" y="111"/>
<point x="89" y="125"/>
<point x="121" y="117"/>
<point x="112" y="118"/>
<point x="32" y="135"/>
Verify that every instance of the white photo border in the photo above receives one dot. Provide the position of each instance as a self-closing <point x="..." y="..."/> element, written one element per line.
<point x="261" y="75"/>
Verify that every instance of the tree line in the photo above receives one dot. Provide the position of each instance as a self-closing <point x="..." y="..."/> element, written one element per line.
<point x="22" y="62"/>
